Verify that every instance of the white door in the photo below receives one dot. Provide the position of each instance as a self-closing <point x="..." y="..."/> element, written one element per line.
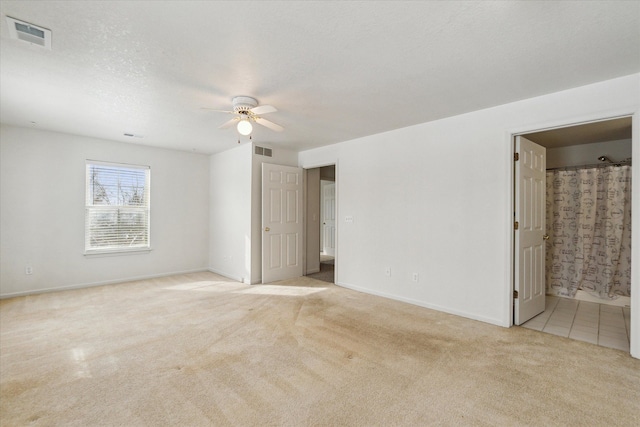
<point x="329" y="218"/>
<point x="530" y="205"/>
<point x="281" y="222"/>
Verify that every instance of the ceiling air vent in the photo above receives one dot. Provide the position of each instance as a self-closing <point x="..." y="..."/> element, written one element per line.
<point x="29" y="33"/>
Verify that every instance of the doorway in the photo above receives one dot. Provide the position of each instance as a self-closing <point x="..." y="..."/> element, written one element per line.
<point x="327" y="218"/>
<point x="578" y="314"/>
<point x="321" y="228"/>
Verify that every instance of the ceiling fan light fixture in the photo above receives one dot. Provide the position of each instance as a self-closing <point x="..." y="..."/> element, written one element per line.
<point x="244" y="127"/>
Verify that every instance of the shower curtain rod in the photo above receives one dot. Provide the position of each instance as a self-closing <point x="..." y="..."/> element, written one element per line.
<point x="594" y="165"/>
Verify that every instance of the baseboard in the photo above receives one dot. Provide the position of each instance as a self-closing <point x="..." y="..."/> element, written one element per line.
<point x="313" y="271"/>
<point x="436" y="307"/>
<point x="227" y="275"/>
<point x="94" y="284"/>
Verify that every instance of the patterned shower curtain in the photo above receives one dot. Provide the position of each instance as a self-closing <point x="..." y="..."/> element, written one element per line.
<point x="589" y="228"/>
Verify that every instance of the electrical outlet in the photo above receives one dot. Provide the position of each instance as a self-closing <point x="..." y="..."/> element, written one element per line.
<point x="415" y="277"/>
<point x="387" y="271"/>
<point x="28" y="270"/>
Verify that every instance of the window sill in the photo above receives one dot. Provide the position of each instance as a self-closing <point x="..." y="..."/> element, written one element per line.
<point x="116" y="252"/>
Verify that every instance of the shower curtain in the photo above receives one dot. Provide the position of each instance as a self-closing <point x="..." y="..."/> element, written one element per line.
<point x="589" y="228"/>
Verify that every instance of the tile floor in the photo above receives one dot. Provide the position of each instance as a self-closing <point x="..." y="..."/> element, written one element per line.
<point x="600" y="324"/>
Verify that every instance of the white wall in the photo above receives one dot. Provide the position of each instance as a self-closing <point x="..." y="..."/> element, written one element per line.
<point x="436" y="199"/>
<point x="230" y="213"/>
<point x="235" y="206"/>
<point x="280" y="156"/>
<point x="42" y="190"/>
<point x="587" y="154"/>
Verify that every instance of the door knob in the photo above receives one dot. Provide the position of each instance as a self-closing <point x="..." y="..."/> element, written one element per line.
<point x="267" y="229"/>
<point x="545" y="237"/>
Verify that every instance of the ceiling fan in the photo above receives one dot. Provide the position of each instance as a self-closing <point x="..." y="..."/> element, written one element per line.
<point x="247" y="111"/>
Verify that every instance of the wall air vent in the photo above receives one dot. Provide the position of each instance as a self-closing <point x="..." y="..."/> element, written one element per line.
<point x="29" y="33"/>
<point x="262" y="151"/>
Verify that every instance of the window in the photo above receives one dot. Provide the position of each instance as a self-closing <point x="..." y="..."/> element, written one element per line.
<point x="117" y="208"/>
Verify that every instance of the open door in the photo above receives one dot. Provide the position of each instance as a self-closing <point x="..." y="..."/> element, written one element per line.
<point x="328" y="217"/>
<point x="281" y="222"/>
<point x="530" y="206"/>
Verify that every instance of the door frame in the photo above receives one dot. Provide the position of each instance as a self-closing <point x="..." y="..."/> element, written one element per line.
<point x="306" y="167"/>
<point x="635" y="208"/>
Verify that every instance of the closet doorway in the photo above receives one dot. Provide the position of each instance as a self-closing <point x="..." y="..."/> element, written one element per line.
<point x="588" y="221"/>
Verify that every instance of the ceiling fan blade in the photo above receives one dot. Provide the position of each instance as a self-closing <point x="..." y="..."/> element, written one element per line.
<point x="228" y="124"/>
<point x="263" y="109"/>
<point x="270" y="125"/>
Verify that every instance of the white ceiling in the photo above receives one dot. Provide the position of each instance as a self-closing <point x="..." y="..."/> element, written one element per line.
<point x="335" y="70"/>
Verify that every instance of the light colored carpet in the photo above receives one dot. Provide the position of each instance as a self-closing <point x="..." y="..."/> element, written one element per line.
<point x="199" y="350"/>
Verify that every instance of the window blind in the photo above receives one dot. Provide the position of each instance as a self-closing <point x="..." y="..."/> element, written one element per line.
<point x="117" y="207"/>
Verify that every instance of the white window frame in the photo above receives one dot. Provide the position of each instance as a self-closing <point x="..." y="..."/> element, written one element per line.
<point x="117" y="171"/>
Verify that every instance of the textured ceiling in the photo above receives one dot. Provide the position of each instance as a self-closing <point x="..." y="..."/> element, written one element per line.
<point x="335" y="70"/>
